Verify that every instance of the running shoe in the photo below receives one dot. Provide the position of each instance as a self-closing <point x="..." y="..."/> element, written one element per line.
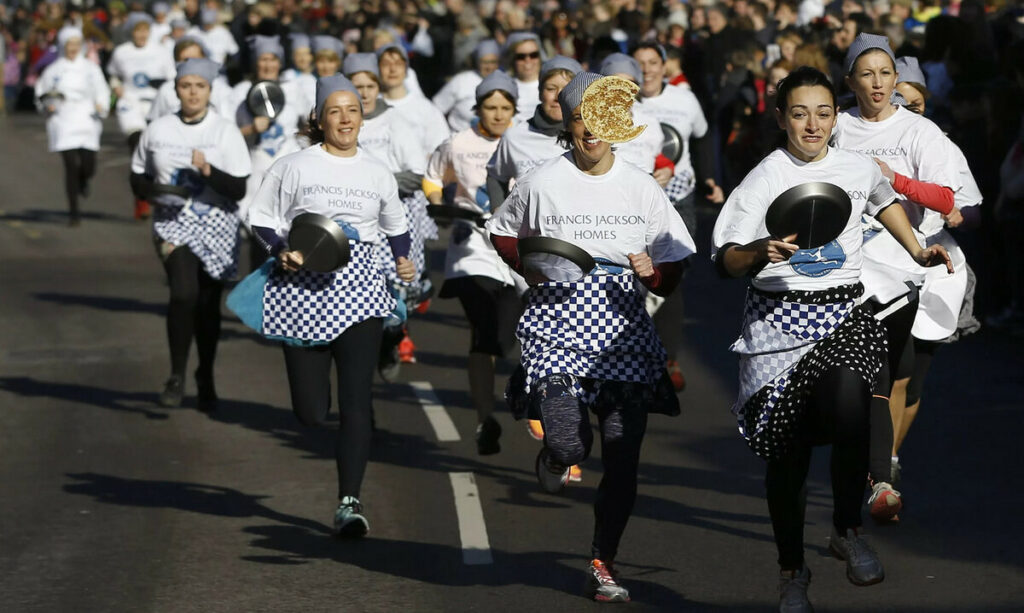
<point x="406" y="349"/>
<point x="675" y="373"/>
<point x="862" y="564"/>
<point x="575" y="473"/>
<point x="141" y="209"/>
<point x="551" y="475"/>
<point x="793" y="591"/>
<point x="389" y="364"/>
<point x="535" y="428"/>
<point x="349" y="520"/>
<point x="602" y="584"/>
<point x="206" y="393"/>
<point x="487" y="434"/>
<point x="174" y="391"/>
<point x="884" y="503"/>
<point x="422" y="307"/>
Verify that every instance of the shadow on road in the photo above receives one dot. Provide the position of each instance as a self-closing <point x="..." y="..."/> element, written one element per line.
<point x="141" y="403"/>
<point x="105" y="303"/>
<point x="60" y="217"/>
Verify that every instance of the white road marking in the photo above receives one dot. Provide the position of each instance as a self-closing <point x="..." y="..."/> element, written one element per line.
<point x="442" y="423"/>
<point x="476" y="548"/>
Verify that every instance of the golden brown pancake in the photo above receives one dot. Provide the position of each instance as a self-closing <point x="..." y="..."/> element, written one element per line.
<point x="607" y="110"/>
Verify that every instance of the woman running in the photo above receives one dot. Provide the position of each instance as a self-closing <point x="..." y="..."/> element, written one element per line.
<point x="136" y="70"/>
<point x="75" y="97"/>
<point x="809" y="356"/>
<point x="915" y="156"/>
<point x="589" y="345"/>
<point x="192" y="165"/>
<point x="474" y="273"/>
<point x="309" y="181"/>
<point x="167" y="102"/>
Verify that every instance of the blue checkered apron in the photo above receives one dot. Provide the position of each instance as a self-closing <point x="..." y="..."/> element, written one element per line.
<point x="421" y="229"/>
<point x="595" y="328"/>
<point x="210" y="232"/>
<point x="318" y="307"/>
<point x="680" y="186"/>
<point x="787" y="342"/>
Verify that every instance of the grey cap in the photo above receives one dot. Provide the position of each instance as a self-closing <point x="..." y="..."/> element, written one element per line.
<point x="487" y="46"/>
<point x="861" y="45"/>
<point x="200" y="67"/>
<point x="910" y="72"/>
<point x="209" y="16"/>
<point x="495" y="81"/>
<point x="181" y="22"/>
<point x="325" y="86"/>
<point x="620" y="63"/>
<point x="393" y="47"/>
<point x="897" y="99"/>
<point x="160" y="7"/>
<point x="572" y="96"/>
<point x="361" y="62"/>
<point x="297" y="40"/>
<point x="559" y="62"/>
<point x="135" y="19"/>
<point x="321" y="42"/>
<point x="260" y="44"/>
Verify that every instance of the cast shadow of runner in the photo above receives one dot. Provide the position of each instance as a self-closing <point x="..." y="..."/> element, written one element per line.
<point x="106" y="303"/>
<point x="104" y="398"/>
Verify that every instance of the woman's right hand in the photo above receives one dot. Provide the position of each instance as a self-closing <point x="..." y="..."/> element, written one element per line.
<point x="291" y="260"/>
<point x="775" y="250"/>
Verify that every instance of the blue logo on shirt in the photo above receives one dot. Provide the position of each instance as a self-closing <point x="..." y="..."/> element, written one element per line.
<point x="188" y="178"/>
<point x="818" y="262"/>
<point x="140" y="80"/>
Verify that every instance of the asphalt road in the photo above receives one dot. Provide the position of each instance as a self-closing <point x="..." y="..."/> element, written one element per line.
<point x="110" y="503"/>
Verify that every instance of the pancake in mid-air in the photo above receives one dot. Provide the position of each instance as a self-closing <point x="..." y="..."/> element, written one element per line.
<point x="607" y="110"/>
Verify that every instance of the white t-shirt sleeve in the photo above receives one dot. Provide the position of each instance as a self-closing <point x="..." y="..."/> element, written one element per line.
<point x="508" y="221"/>
<point x="273" y="198"/>
<point x="667" y="237"/>
<point x="932" y="157"/>
<point x="392" y="213"/>
<point x="700" y="123"/>
<point x="114" y="68"/>
<point x="439" y="163"/>
<point x="407" y="148"/>
<point x="742" y="216"/>
<point x="237" y="161"/>
<point x="501" y="166"/>
<point x="882" y="193"/>
<point x="140" y="157"/>
<point x="445" y="99"/>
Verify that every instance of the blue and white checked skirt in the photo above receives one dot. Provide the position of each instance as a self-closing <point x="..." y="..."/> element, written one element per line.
<point x="208" y="231"/>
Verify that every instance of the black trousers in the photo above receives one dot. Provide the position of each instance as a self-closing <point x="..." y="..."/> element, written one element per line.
<point x="309" y="378"/>
<point x="193" y="311"/>
<point x="568" y="437"/>
<point x="837" y="413"/>
<point x="79" y="167"/>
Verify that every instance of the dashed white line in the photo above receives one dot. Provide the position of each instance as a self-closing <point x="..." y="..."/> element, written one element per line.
<point x="476" y="547"/>
<point x="439" y="419"/>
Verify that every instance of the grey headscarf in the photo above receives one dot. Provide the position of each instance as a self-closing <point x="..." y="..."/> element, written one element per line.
<point x="572" y="95"/>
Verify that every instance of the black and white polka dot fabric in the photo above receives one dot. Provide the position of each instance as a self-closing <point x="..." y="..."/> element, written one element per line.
<point x="211" y="233"/>
<point x="595" y="328"/>
<point x="789" y="340"/>
<point x="318" y="307"/>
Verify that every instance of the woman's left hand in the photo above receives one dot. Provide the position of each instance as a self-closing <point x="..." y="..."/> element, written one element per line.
<point x="406" y="269"/>
<point x="199" y="161"/>
<point x="936" y="255"/>
<point x="641" y="264"/>
<point x="954" y="218"/>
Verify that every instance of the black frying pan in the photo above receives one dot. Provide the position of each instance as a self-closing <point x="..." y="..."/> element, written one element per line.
<point x="672" y="146"/>
<point x="816" y="212"/>
<point x="321" y="241"/>
<point x="265" y="99"/>
<point x="550" y="259"/>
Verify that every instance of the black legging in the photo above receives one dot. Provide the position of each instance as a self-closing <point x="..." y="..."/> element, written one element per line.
<point x="900" y="361"/>
<point x="309" y="379"/>
<point x="194" y="310"/>
<point x="79" y="167"/>
<point x="837" y="412"/>
<point x="924" y="352"/>
<point x="622" y="421"/>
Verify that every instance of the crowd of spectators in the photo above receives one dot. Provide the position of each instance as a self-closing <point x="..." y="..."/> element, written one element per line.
<point x="730" y="53"/>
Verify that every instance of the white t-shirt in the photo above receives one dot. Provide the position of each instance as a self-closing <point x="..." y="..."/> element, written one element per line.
<point x="165" y="154"/>
<point x="678" y="107"/>
<point x="303" y="81"/>
<point x="394" y="141"/>
<point x="527" y="100"/>
<point x="968" y="195"/>
<point x="429" y="123"/>
<point x="912" y="146"/>
<point x="520" y="150"/>
<point x="622" y="212"/>
<point x="470" y="251"/>
<point x="137" y="66"/>
<point x="167" y="101"/>
<point x="457" y="98"/>
<point x="642" y="150"/>
<point x="742" y="218"/>
<point x="218" y="41"/>
<point x="358" y="190"/>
